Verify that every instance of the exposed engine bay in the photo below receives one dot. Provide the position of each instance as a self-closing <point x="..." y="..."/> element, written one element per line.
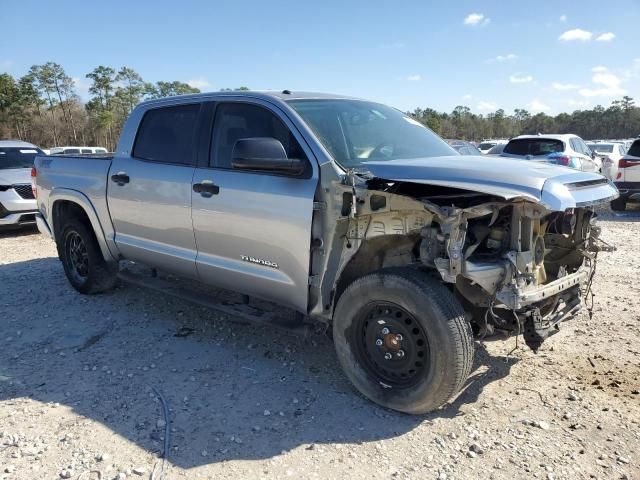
<point x="516" y="266"/>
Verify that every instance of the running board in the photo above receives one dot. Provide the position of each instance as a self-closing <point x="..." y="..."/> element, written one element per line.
<point x="220" y="300"/>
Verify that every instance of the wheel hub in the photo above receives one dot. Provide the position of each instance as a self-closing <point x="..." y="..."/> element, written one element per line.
<point x="392" y="341"/>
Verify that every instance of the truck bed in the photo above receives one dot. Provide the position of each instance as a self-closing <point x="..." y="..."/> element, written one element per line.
<point x="79" y="174"/>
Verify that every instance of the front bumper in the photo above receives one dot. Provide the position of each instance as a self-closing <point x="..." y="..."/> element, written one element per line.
<point x="22" y="218"/>
<point x="15" y="210"/>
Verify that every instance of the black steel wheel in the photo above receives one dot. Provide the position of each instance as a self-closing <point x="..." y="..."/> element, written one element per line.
<point x="391" y="343"/>
<point x="403" y="340"/>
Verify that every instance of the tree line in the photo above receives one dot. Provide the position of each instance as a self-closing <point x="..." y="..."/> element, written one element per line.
<point x="620" y="120"/>
<point x="43" y="107"/>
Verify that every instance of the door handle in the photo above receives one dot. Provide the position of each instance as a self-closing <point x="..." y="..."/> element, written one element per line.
<point x="120" y="178"/>
<point x="206" y="188"/>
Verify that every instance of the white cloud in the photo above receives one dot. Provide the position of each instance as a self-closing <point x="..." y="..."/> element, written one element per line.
<point x="468" y="96"/>
<point x="563" y="18"/>
<point x="607" y="84"/>
<point x="564" y="86"/>
<point x="199" y="82"/>
<point x="578" y="103"/>
<point x="476" y="19"/>
<point x="606" y="37"/>
<point x="576" y="34"/>
<point x="509" y="57"/>
<point x="486" y="106"/>
<point x="521" y="79"/>
<point x="536" y="106"/>
<point x="414" y="78"/>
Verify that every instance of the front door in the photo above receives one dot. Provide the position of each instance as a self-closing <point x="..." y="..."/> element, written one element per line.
<point x="253" y="229"/>
<point x="149" y="191"/>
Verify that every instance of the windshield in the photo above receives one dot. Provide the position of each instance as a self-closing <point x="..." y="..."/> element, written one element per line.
<point x="14" y="157"/>
<point x="355" y="131"/>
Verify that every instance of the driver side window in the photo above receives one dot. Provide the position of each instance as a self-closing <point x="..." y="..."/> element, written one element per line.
<point x="235" y="121"/>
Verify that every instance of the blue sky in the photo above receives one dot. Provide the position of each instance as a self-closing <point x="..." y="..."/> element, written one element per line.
<point x="550" y="56"/>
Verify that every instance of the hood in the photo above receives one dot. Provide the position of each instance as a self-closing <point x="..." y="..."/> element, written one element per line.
<point x="12" y="176"/>
<point x="554" y="186"/>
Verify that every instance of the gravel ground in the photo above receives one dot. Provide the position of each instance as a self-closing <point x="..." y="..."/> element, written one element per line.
<point x="77" y="380"/>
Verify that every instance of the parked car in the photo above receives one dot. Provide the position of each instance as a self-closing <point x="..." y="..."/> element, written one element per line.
<point x="627" y="178"/>
<point x="347" y="211"/>
<point x="566" y="150"/>
<point x="609" y="154"/>
<point x="464" y="148"/>
<point x="497" y="150"/>
<point x="487" y="145"/>
<point x="17" y="203"/>
<point x="76" y="150"/>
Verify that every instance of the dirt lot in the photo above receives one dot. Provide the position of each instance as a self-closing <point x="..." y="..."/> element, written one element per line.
<point x="77" y="376"/>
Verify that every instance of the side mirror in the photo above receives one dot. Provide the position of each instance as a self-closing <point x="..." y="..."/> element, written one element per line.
<point x="264" y="154"/>
<point x="593" y="154"/>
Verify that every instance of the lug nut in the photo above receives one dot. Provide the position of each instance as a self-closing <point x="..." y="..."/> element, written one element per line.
<point x="385" y="331"/>
<point x="387" y="356"/>
<point x="400" y="353"/>
<point x="399" y="337"/>
<point x="379" y="342"/>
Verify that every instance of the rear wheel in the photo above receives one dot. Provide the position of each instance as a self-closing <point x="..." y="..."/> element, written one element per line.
<point x="619" y="204"/>
<point x="82" y="259"/>
<point x="402" y="339"/>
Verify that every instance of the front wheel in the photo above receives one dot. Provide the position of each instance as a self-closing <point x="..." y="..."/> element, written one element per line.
<point x="402" y="339"/>
<point x="82" y="260"/>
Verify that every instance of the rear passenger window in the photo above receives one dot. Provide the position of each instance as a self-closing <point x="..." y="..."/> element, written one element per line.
<point x="86" y="150"/>
<point x="235" y="121"/>
<point x="167" y="135"/>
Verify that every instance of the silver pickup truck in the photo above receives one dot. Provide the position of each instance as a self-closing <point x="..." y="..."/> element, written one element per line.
<point x="347" y="211"/>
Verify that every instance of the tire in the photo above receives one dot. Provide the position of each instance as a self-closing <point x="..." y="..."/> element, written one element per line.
<point x="82" y="259"/>
<point x="619" y="204"/>
<point x="428" y="318"/>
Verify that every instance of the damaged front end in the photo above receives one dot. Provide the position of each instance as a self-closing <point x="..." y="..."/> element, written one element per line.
<point x="519" y="265"/>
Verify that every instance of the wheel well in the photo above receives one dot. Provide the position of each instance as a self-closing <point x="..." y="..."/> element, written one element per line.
<point x="375" y="254"/>
<point x="62" y="211"/>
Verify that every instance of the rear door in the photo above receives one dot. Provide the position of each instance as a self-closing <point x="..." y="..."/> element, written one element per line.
<point x="253" y="229"/>
<point x="149" y="191"/>
<point x="630" y="165"/>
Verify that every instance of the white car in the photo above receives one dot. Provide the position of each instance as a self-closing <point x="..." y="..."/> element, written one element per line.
<point x="609" y="154"/>
<point x="17" y="201"/>
<point x="567" y="150"/>
<point x="627" y="178"/>
<point x="487" y="145"/>
<point x="76" y="150"/>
